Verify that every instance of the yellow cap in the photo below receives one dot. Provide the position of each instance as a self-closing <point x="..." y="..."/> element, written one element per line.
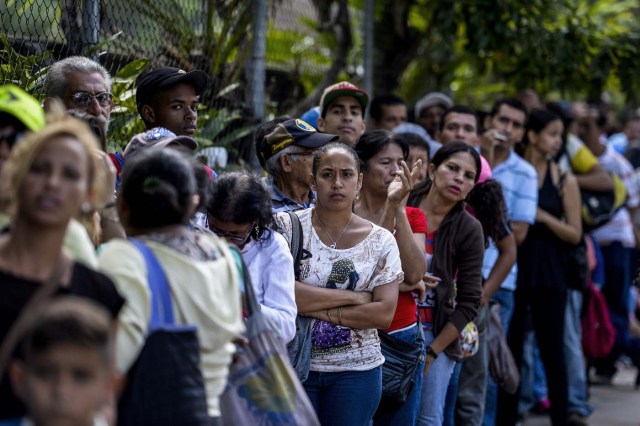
<point x="15" y="101"/>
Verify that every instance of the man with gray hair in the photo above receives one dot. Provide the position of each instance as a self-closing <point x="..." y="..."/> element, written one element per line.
<point x="288" y="151"/>
<point x="83" y="85"/>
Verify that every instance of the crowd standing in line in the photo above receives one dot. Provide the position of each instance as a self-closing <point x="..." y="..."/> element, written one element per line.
<point x="354" y="240"/>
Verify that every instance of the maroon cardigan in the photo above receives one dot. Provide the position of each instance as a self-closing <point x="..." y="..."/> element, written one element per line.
<point x="458" y="252"/>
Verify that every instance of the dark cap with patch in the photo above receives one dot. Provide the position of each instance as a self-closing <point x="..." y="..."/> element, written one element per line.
<point x="149" y="83"/>
<point x="293" y="132"/>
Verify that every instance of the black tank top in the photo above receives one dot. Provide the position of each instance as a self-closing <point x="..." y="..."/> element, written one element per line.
<point x="541" y="256"/>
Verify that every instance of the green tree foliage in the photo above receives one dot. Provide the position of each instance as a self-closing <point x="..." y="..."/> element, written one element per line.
<point x="480" y="49"/>
<point x="210" y="35"/>
<point x="21" y="70"/>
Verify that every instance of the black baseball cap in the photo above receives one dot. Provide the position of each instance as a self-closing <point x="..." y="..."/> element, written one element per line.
<point x="149" y="83"/>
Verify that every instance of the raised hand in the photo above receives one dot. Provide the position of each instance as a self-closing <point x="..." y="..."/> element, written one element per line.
<point x="398" y="190"/>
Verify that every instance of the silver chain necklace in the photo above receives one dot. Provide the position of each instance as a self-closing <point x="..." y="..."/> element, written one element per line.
<point x="334" y="243"/>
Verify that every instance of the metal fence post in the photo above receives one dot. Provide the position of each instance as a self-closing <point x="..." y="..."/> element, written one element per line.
<point x="257" y="68"/>
<point x="258" y="57"/>
<point x="367" y="50"/>
<point x="90" y="26"/>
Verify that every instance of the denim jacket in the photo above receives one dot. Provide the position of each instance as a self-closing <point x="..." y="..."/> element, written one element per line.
<point x="300" y="348"/>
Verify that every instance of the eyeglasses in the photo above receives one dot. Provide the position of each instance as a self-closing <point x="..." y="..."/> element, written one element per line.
<point x="84" y="99"/>
<point x="232" y="238"/>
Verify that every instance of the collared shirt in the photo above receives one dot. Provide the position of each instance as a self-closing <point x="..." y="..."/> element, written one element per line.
<point x="519" y="182"/>
<point x="282" y="203"/>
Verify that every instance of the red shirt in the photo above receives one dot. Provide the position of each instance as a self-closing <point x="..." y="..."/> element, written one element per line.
<point x="426" y="313"/>
<point x="406" y="309"/>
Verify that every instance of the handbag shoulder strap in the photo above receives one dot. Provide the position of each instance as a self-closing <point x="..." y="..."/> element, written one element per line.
<point x="161" y="307"/>
<point x="296" y="242"/>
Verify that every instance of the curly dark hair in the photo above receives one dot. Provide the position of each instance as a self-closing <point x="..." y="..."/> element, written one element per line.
<point x="240" y="197"/>
<point x="488" y="206"/>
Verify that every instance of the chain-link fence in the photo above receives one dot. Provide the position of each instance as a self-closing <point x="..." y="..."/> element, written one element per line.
<point x="128" y="37"/>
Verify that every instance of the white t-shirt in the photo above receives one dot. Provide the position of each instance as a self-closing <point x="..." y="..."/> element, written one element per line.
<point x="372" y="262"/>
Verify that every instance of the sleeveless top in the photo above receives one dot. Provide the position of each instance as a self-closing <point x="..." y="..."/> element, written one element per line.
<point x="541" y="257"/>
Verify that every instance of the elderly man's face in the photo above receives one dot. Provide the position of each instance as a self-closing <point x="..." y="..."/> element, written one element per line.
<point x="88" y="92"/>
<point x="301" y="162"/>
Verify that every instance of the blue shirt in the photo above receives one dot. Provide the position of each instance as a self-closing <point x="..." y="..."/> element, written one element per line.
<point x="519" y="182"/>
<point x="282" y="203"/>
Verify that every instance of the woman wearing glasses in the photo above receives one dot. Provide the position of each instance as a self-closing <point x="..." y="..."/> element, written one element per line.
<point x="239" y="209"/>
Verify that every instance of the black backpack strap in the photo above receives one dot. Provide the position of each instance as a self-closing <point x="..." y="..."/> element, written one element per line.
<point x="296" y="242"/>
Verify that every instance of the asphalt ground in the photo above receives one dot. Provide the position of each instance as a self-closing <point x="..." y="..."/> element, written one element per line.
<point x="613" y="405"/>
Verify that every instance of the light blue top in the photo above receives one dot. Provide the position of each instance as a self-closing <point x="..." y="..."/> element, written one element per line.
<point x="619" y="142"/>
<point x="519" y="182"/>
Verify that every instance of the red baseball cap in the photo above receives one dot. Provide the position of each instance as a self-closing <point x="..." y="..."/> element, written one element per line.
<point x="344" y="88"/>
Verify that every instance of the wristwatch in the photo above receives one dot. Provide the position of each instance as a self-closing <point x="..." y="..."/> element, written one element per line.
<point x="431" y="352"/>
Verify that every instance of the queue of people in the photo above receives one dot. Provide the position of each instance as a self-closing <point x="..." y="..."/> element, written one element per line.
<point x="356" y="241"/>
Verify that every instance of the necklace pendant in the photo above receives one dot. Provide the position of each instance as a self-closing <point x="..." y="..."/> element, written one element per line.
<point x="333" y="245"/>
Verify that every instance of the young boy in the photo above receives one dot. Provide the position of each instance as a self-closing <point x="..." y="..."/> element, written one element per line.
<point x="66" y="374"/>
